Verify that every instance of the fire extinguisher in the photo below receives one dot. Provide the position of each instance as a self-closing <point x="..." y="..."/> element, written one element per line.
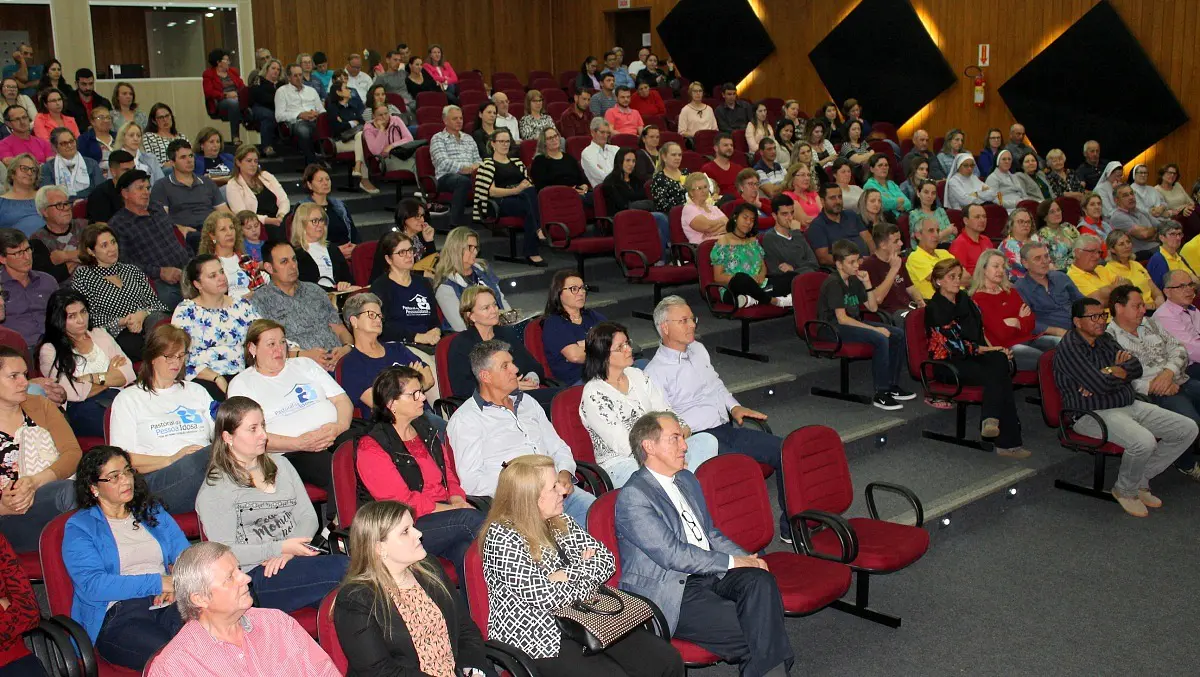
<point x="980" y="84"/>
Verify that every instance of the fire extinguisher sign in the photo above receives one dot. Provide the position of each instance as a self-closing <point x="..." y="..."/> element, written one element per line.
<point x="985" y="56"/>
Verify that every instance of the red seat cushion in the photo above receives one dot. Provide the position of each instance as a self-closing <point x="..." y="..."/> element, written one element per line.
<point x="590" y="245"/>
<point x="694" y="654"/>
<point x="189" y="523"/>
<point x="882" y="546"/>
<point x="307" y="618"/>
<point x="315" y="494"/>
<point x="31" y="564"/>
<point x="807" y="584"/>
<point x="670" y="274"/>
<point x="1107" y="448"/>
<point x="854" y="351"/>
<point x="1025" y="378"/>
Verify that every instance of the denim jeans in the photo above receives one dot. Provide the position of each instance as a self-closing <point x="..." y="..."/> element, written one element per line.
<point x="231" y="109"/>
<point x="1026" y="355"/>
<point x="1152" y="437"/>
<point x="304" y="130"/>
<point x="577" y="505"/>
<point x="664" y="233"/>
<point x="700" y="448"/>
<point x="449" y="533"/>
<point x="524" y="204"/>
<point x="131" y="633"/>
<point x="49" y="501"/>
<point x="265" y="117"/>
<point x="178" y="483"/>
<point x="303" y="581"/>
<point x="459" y="185"/>
<point x="1187" y="403"/>
<point x="890" y="352"/>
<point x="87" y="417"/>
<point x="762" y="447"/>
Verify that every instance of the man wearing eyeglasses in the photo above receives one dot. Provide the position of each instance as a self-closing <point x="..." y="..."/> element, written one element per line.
<point x="711" y="591"/>
<point x="56" y="246"/>
<point x="1092" y="279"/>
<point x="28" y="290"/>
<point x="1095" y="374"/>
<point x="1180" y="317"/>
<point x="22" y="140"/>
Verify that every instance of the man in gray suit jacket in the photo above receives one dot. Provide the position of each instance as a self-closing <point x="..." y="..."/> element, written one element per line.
<point x="711" y="591"/>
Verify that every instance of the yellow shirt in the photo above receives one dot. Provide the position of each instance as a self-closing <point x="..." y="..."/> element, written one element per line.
<point x="1090" y="282"/>
<point x="920" y="264"/>
<point x="1137" y="274"/>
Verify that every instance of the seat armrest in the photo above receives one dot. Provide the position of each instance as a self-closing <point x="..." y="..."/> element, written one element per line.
<point x="908" y="494"/>
<point x="802" y="533"/>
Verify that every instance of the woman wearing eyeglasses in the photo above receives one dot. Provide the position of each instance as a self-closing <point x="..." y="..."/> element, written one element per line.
<point x="319" y="262"/>
<point x="17" y="207"/>
<point x="404" y="297"/>
<point x="460" y="267"/>
<point x="565" y="326"/>
<point x="69" y="168"/>
<point x="480" y="313"/>
<point x="369" y="357"/>
<point x="503" y="179"/>
<point x="119" y="549"/>
<point x="53" y="115"/>
<point x="403" y="459"/>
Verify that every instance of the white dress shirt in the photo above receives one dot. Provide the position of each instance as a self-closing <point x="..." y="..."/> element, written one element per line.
<point x="511" y="124"/>
<point x="360" y="83"/>
<point x="692" y="530"/>
<point x="289" y="103"/>
<point x="692" y="386"/>
<point x="598" y="162"/>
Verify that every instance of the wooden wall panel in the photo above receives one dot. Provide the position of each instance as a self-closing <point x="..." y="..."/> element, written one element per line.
<point x="109" y="23"/>
<point x="36" y="20"/>
<point x="1016" y="31"/>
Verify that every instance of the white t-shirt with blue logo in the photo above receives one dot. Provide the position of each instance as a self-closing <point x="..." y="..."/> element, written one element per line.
<point x="295" y="401"/>
<point x="163" y="422"/>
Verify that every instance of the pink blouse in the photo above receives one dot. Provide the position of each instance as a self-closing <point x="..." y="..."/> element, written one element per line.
<point x="809" y="202"/>
<point x="443" y="75"/>
<point x="77" y="391"/>
<point x="690" y="212"/>
<point x="378" y="139"/>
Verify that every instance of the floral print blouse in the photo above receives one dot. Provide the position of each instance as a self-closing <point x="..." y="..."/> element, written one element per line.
<point x="1063" y="184"/>
<point x="1012" y="251"/>
<point x="217" y="335"/>
<point x="1061" y="242"/>
<point x="739" y="258"/>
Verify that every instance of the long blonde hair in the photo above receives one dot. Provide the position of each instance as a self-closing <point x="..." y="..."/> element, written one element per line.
<point x="450" y="262"/>
<point x="303" y="213"/>
<point x="371" y="526"/>
<point x="208" y="233"/>
<point x="662" y="153"/>
<point x="978" y="279"/>
<point x="124" y="129"/>
<point x="516" y="504"/>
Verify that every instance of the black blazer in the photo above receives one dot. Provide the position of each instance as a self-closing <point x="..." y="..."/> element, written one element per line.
<point x="310" y="273"/>
<point x="373" y="653"/>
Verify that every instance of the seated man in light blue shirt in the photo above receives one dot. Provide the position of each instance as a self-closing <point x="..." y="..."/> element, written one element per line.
<point x="498" y="423"/>
<point x="1048" y="293"/>
<point x="682" y="368"/>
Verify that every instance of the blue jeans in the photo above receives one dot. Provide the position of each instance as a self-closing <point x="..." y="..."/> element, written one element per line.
<point x="178" y="483"/>
<point x="132" y="633"/>
<point x="1026" y="355"/>
<point x="577" y="505"/>
<point x="27" y="666"/>
<point x="524" y="204"/>
<point x="303" y="581"/>
<point x="459" y="185"/>
<point x="890" y="352"/>
<point x="449" y="533"/>
<point x="700" y="448"/>
<point x="304" y="130"/>
<point x="762" y="447"/>
<point x="87" y="417"/>
<point x="265" y="117"/>
<point x="231" y="109"/>
<point x="664" y="232"/>
<point x="1187" y="403"/>
<point x="169" y="294"/>
<point x="50" y="501"/>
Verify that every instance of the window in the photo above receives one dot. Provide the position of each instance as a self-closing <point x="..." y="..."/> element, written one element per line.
<point x="26" y="23"/>
<point x="140" y="41"/>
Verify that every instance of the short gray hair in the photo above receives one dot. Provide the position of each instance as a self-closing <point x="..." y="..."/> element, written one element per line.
<point x="1028" y="248"/>
<point x="1085" y="240"/>
<point x="448" y="109"/>
<point x="193" y="575"/>
<point x="481" y="355"/>
<point x="648" y="427"/>
<point x="355" y="304"/>
<point x="1091" y="142"/>
<point x="660" y="311"/>
<point x="41" y="199"/>
<point x="598" y="122"/>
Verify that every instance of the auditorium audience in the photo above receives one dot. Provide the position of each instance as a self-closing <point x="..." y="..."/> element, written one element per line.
<point x="535" y="119"/>
<point x="747" y="187"/>
<point x="1122" y="264"/>
<point x="88" y="364"/>
<point x="52" y="77"/>
<point x="56" y="245"/>
<point x="1088" y="172"/>
<point x="894" y="201"/>
<point x="553" y="167"/>
<point x="345" y="114"/>
<point x="870" y="209"/>
<point x="319" y="262"/>
<point x="1019" y="146"/>
<point x="12" y="96"/>
<point x="394" y="80"/>
<point x="734" y="114"/>
<point x="369" y="357"/>
<point x="455" y="158"/>
<point x="992" y="147"/>
<point x="1090" y="277"/>
<point x="954" y="143"/>
<point x="129" y="138"/>
<point x="340" y="229"/>
<point x="1003" y="182"/>
<point x="565" y="326"/>
<point x="623" y="118"/>
<point x="1178" y="316"/>
<point x="1139" y="224"/>
<point x="119" y="549"/>
<point x="927" y="207"/>
<point x="18" y="206"/>
<point x="799" y="185"/>
<point x="701" y="219"/>
<point x="597" y="159"/>
<point x="1031" y="180"/>
<point x="27" y="291"/>
<point x="120" y="296"/>
<point x="148" y="238"/>
<point x="964" y="187"/>
<point x="843" y="175"/>
<point x="722" y="169"/>
<point x="303" y="308"/>
<point x="165" y="422"/>
<point x="21" y="139"/>
<point x="925" y="255"/>
<point x="298" y="106"/>
<point x="1167" y="258"/>
<point x="1008" y="321"/>
<point x="417" y="80"/>
<point x="505" y="119"/>
<point x="536" y="558"/>
<point x="606" y="97"/>
<point x="1047" y="291"/>
<point x="498" y="424"/>
<point x="683" y="369"/>
<point x="255" y="189"/>
<point x="834" y="223"/>
<point x="739" y="265"/>
<point x="459" y="267"/>
<point x="1017" y="234"/>
<point x="309" y="77"/>
<point x="647" y="101"/>
<point x="35" y="490"/>
<point x="212" y="162"/>
<point x="222" y="87"/>
<point x="1059" y="236"/>
<point x="69" y="168"/>
<point x="785" y="135"/>
<point x="357" y="78"/>
<point x="1152" y="437"/>
<point x="1171" y="189"/>
<point x="407" y="300"/>
<point x="667" y="185"/>
<point x="840" y="302"/>
<point x="226" y="241"/>
<point x="502" y="180"/>
<point x="262" y="99"/>
<point x="188" y="197"/>
<point x="441" y="71"/>
<point x="893" y="290"/>
<point x="855" y="148"/>
<point x="160" y="133"/>
<point x="52" y="104"/>
<point x="22" y="612"/>
<point x="696" y="115"/>
<point x="955" y="333"/>
<point x="481" y="316"/>
<point x="125" y="107"/>
<point x="252" y="234"/>
<point x="576" y="120"/>
<point x="1112" y="178"/>
<point x="216" y="322"/>
<point x="918" y="171"/>
<point x="711" y="591"/>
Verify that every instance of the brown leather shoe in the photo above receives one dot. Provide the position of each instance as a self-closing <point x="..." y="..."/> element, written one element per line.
<point x="1148" y="499"/>
<point x="990" y="428"/>
<point x="1015" y="452"/>
<point x="1133" y="506"/>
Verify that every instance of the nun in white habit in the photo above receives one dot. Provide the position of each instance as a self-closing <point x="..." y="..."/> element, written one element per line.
<point x="963" y="187"/>
<point x="1008" y="191"/>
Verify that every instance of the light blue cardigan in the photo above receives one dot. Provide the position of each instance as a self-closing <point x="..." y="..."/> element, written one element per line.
<point x="92" y="560"/>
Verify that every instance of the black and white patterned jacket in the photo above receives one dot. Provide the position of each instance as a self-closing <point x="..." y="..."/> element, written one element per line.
<point x="521" y="594"/>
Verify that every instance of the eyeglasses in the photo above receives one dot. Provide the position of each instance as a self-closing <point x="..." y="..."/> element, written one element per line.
<point x="64" y="206"/>
<point x="404" y="251"/>
<point x="472" y="247"/>
<point x="163" y="116"/>
<point x="117" y="476"/>
<point x="1187" y="285"/>
<point x="102" y="118"/>
<point x="1096" y="316"/>
<point x="692" y="525"/>
<point x="415" y="396"/>
<point x="687" y="320"/>
<point x="621" y="347"/>
<point x="577" y="288"/>
<point x="318" y="221"/>
<point x="371" y="314"/>
<point x="30" y="169"/>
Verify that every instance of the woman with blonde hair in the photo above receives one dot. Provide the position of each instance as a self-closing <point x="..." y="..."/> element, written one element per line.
<point x="666" y="186"/>
<point x="481" y="315"/>
<point x="1018" y="233"/>
<point x="396" y="612"/>
<point x="319" y="262"/>
<point x="129" y="139"/>
<point x="254" y="189"/>
<point x="222" y="237"/>
<point x="255" y="503"/>
<point x="459" y="267"/>
<point x="800" y="185"/>
<point x="1008" y="321"/>
<point x="701" y="219"/>
<point x="528" y="546"/>
<point x="1121" y="263"/>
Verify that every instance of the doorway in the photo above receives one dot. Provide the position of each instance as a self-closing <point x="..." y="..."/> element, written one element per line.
<point x="627" y="28"/>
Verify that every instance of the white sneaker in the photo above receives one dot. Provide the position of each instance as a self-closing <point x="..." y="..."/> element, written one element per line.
<point x="784" y="301"/>
<point x="746" y="301"/>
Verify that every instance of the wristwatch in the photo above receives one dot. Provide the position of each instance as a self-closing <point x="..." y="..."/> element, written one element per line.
<point x="1107" y="370"/>
<point x="101" y="378"/>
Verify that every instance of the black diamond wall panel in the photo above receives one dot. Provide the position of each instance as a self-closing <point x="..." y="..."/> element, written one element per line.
<point x="1094" y="82"/>
<point x="882" y="55"/>
<point x="715" y="41"/>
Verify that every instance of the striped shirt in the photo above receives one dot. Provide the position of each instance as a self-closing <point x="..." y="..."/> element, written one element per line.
<point x="1078" y="375"/>
<point x="452" y="153"/>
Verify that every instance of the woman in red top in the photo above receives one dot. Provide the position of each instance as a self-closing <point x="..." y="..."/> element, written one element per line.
<point x="403" y="459"/>
<point x="647" y="101"/>
<point x="1007" y="320"/>
<point x="20" y="615"/>
<point x="222" y="84"/>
